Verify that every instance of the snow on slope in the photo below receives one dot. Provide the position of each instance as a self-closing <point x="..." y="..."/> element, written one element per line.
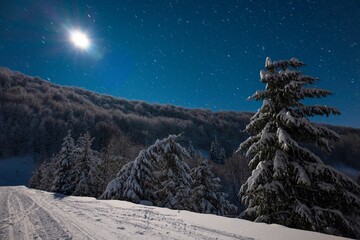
<point x="33" y="214"/>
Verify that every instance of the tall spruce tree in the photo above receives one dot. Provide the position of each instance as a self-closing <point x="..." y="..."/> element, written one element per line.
<point x="289" y="184"/>
<point x="206" y="194"/>
<point x="174" y="177"/>
<point x="63" y="163"/>
<point x="85" y="174"/>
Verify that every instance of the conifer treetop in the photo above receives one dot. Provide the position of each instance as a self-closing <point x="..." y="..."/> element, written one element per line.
<point x="285" y="89"/>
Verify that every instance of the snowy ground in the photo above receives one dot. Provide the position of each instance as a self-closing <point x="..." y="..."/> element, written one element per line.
<point x="32" y="214"/>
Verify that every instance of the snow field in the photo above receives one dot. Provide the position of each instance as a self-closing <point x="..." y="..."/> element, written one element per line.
<point x="34" y="214"/>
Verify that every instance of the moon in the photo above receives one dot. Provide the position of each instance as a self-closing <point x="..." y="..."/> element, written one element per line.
<point x="79" y="39"/>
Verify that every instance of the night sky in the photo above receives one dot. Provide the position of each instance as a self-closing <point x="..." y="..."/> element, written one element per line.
<point x="195" y="54"/>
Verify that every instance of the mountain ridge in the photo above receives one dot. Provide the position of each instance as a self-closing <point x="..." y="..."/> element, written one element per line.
<point x="36" y="114"/>
<point x="20" y="89"/>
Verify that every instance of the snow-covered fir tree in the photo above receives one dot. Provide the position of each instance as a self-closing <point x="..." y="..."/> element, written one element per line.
<point x="158" y="174"/>
<point x="217" y="153"/>
<point x="174" y="177"/>
<point x="136" y="180"/>
<point x="75" y="170"/>
<point x="63" y="163"/>
<point x="117" y="187"/>
<point x="85" y="172"/>
<point x="206" y="195"/>
<point x="289" y="184"/>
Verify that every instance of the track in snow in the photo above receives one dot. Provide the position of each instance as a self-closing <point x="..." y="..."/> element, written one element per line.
<point x="33" y="214"/>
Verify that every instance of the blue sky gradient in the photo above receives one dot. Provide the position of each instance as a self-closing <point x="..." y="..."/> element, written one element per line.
<point x="195" y="54"/>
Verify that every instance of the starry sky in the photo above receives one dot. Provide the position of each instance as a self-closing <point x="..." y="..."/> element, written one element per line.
<point x="190" y="53"/>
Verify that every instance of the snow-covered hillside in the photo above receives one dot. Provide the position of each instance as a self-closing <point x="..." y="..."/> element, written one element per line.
<point x="33" y="214"/>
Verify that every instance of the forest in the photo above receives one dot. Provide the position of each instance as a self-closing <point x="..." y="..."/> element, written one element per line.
<point x="37" y="117"/>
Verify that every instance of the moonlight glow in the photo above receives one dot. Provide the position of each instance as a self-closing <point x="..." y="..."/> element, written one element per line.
<point x="80" y="39"/>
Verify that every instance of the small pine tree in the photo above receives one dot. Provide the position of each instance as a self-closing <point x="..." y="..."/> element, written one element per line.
<point x="206" y="196"/>
<point x="214" y="150"/>
<point x="290" y="185"/>
<point x="43" y="177"/>
<point x="85" y="171"/>
<point x="63" y="163"/>
<point x="192" y="152"/>
<point x="217" y="153"/>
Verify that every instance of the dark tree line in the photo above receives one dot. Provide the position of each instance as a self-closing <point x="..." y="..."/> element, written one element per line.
<point x="34" y="114"/>
<point x="33" y="111"/>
